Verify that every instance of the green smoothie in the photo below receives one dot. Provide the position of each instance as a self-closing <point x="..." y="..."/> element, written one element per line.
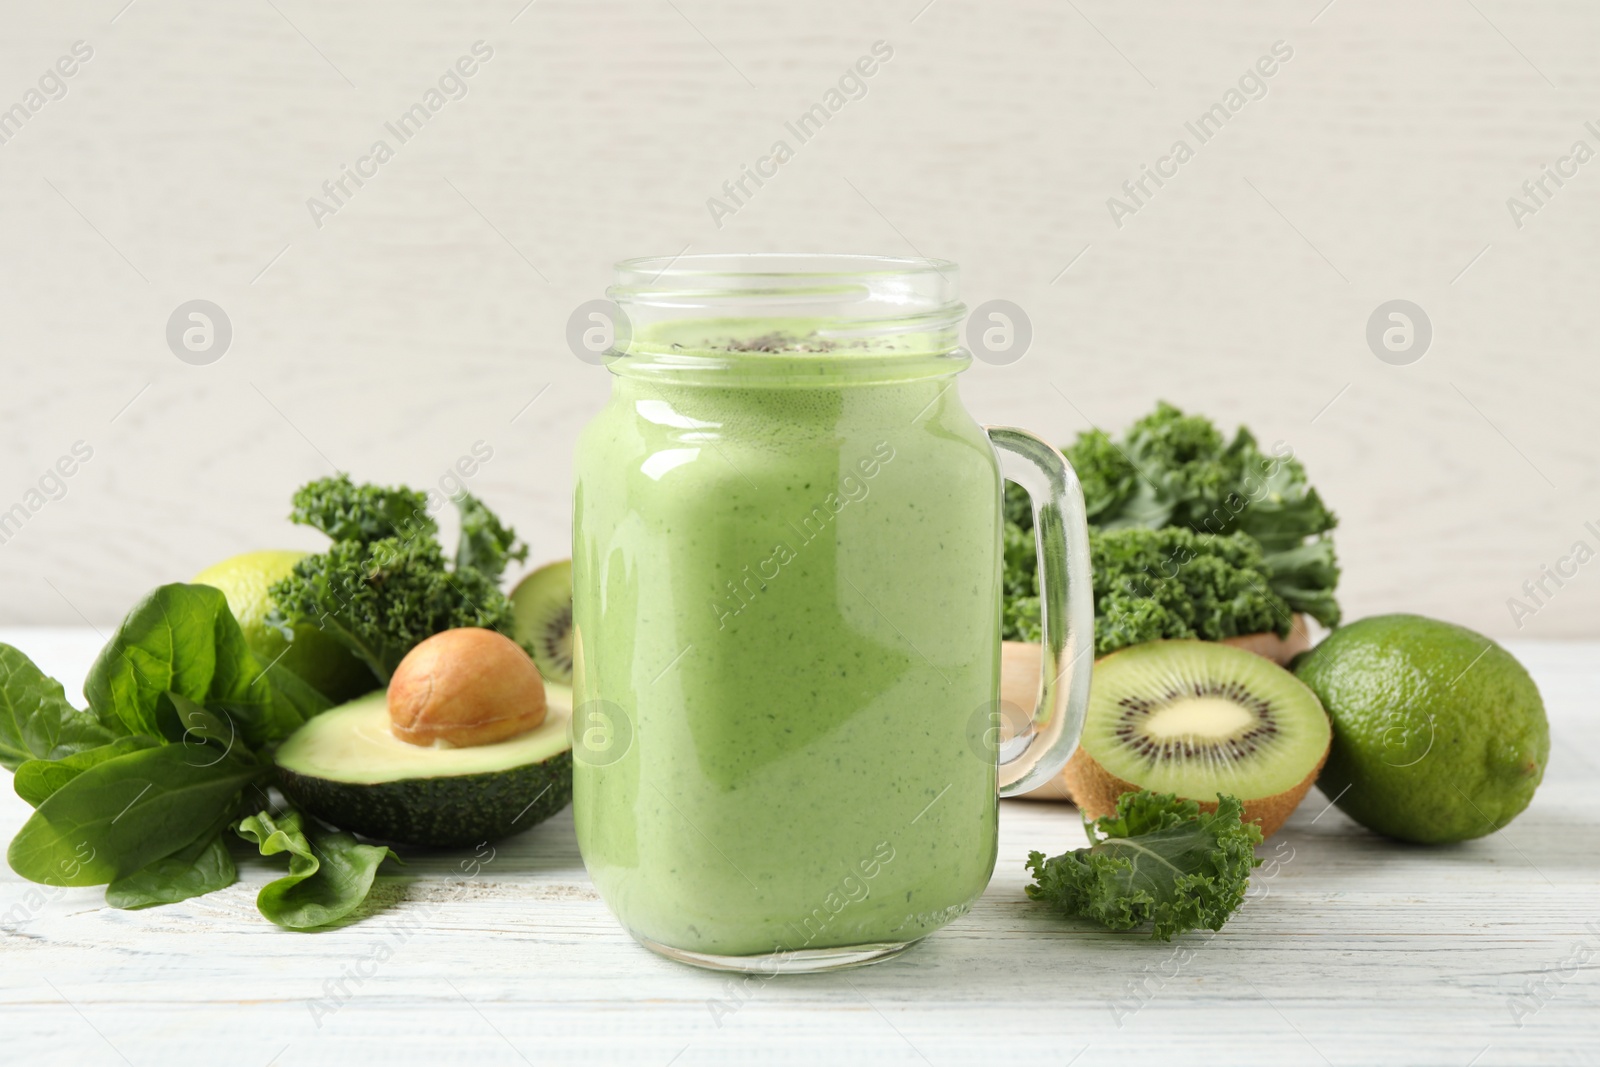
<point x="786" y="568"/>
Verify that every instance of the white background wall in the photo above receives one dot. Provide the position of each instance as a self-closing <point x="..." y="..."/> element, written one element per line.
<point x="429" y="311"/>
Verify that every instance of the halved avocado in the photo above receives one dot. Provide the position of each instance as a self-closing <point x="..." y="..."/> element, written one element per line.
<point x="347" y="768"/>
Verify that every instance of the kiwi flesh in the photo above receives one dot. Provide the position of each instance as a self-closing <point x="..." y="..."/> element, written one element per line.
<point x="542" y="605"/>
<point x="1198" y="719"/>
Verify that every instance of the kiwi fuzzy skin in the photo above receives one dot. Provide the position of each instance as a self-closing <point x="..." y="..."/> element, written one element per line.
<point x="1095" y="790"/>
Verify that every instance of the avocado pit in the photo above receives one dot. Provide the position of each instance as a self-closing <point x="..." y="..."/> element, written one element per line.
<point x="465" y="687"/>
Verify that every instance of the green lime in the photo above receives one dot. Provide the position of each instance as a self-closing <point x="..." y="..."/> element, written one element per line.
<point x="315" y="656"/>
<point x="1439" y="734"/>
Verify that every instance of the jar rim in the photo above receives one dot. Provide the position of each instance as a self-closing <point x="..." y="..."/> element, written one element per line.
<point x="645" y="273"/>
<point x="786" y="316"/>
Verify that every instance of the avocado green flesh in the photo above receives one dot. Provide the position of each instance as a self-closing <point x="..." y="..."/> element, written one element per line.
<point x="347" y="768"/>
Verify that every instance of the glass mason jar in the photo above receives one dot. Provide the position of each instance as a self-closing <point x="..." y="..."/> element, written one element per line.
<point x="786" y="577"/>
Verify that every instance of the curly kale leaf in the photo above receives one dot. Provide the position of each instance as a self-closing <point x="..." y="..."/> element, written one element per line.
<point x="349" y="512"/>
<point x="1281" y="509"/>
<point x="1019" y="581"/>
<point x="486" y="543"/>
<point x="1107" y="475"/>
<point x="1184" y="465"/>
<point x="1305" y="576"/>
<point x="1243" y="536"/>
<point x="382" y="599"/>
<point x="1190" y="477"/>
<point x="1168" y="583"/>
<point x="1155" y="584"/>
<point x="1161" y="861"/>
<point x="380" y="596"/>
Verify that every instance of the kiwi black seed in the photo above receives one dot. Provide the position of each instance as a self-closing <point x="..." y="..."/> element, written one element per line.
<point x="1198" y="719"/>
<point x="542" y="603"/>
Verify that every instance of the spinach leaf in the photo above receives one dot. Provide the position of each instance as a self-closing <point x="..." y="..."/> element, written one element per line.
<point x="37" y="779"/>
<point x="121" y="815"/>
<point x="183" y="639"/>
<point x="183" y="722"/>
<point x="190" y="872"/>
<point x="330" y="872"/>
<point x="36" y="720"/>
<point x="194" y="871"/>
<point x="299" y="698"/>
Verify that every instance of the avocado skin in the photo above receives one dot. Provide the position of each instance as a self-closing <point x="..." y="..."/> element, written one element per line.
<point x="452" y="811"/>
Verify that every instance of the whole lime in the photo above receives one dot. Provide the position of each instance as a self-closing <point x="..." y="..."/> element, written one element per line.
<point x="314" y="655"/>
<point x="1439" y="734"/>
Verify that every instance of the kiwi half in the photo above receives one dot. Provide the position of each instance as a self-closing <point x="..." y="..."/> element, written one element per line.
<point x="1197" y="718"/>
<point x="542" y="604"/>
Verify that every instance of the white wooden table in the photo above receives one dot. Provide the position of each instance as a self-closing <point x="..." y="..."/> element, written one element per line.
<point x="1352" y="950"/>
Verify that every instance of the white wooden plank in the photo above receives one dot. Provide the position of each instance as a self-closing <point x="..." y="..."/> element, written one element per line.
<point x="1354" y="950"/>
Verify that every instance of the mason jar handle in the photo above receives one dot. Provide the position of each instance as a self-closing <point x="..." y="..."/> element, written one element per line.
<point x="1037" y="753"/>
